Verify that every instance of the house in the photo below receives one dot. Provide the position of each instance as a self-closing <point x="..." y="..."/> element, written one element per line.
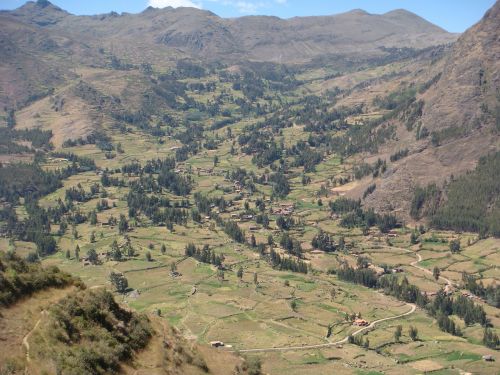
<point x="318" y="252"/>
<point x="488" y="358"/>
<point x="379" y="271"/>
<point x="360" y="323"/>
<point x="216" y="344"/>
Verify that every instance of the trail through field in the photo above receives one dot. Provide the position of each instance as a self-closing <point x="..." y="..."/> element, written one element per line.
<point x="26" y="343"/>
<point x="414" y="264"/>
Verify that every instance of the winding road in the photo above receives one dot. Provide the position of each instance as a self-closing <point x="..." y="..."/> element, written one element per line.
<point x="326" y="345"/>
<point x="419" y="259"/>
<point x="413" y="307"/>
<point x="414" y="264"/>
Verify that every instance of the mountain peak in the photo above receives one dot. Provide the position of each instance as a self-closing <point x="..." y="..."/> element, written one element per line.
<point x="358" y="12"/>
<point x="46" y="4"/>
<point x="40" y="12"/>
<point x="400" y="12"/>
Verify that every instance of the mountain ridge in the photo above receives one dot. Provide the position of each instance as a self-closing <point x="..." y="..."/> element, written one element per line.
<point x="185" y="28"/>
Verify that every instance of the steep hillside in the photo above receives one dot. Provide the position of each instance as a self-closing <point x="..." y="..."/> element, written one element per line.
<point x="460" y="113"/>
<point x="57" y="328"/>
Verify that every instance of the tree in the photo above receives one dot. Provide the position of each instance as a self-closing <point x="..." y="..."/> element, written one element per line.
<point x="254" y="366"/>
<point x="333" y="293"/>
<point x="323" y="241"/>
<point x="93" y="217"/>
<point x="366" y="344"/>
<point x="123" y="224"/>
<point x="240" y="273"/>
<point x="436" y="272"/>
<point x="253" y="242"/>
<point x="129" y="248"/>
<point x="119" y="281"/>
<point x="220" y="275"/>
<point x="32" y="257"/>
<point x="413" y="238"/>
<point x="255" y="278"/>
<point x="341" y="242"/>
<point x="329" y="331"/>
<point x="77" y="253"/>
<point x="149" y="257"/>
<point x="270" y="240"/>
<point x="398" y="332"/>
<point x="68" y="255"/>
<point x="163" y="249"/>
<point x="455" y="246"/>
<point x="362" y="262"/>
<point x="92" y="256"/>
<point x="293" y="305"/>
<point x="116" y="253"/>
<point x="490" y="339"/>
<point x="413" y="333"/>
<point x="92" y="237"/>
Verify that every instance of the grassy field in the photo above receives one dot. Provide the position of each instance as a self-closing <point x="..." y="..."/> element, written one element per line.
<point x="282" y="308"/>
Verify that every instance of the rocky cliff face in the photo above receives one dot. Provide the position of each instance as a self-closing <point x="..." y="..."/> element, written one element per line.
<point x="461" y="113"/>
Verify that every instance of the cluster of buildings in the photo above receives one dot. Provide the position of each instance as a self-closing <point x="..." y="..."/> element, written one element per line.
<point x="285" y="209"/>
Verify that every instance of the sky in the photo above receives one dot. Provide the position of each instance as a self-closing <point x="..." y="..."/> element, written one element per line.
<point x="451" y="15"/>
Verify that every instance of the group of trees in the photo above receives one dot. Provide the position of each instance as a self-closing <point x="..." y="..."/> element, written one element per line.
<point x="363" y="276"/>
<point x="9" y="140"/>
<point x="234" y="231"/>
<point x="204" y="255"/>
<point x="463" y="211"/>
<point x="491" y="293"/>
<point x="441" y="307"/>
<point x="287" y="263"/>
<point x="119" y="282"/>
<point x="291" y="245"/>
<point x="364" y="169"/>
<point x="323" y="241"/>
<point x="159" y="209"/>
<point x="358" y="217"/>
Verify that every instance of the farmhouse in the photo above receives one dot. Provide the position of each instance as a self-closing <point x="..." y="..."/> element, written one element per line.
<point x="216" y="344"/>
<point x="360" y="323"/>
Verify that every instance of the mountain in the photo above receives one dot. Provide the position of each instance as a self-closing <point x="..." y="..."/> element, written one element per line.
<point x="461" y="113"/>
<point x="203" y="34"/>
<point x="60" y="41"/>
